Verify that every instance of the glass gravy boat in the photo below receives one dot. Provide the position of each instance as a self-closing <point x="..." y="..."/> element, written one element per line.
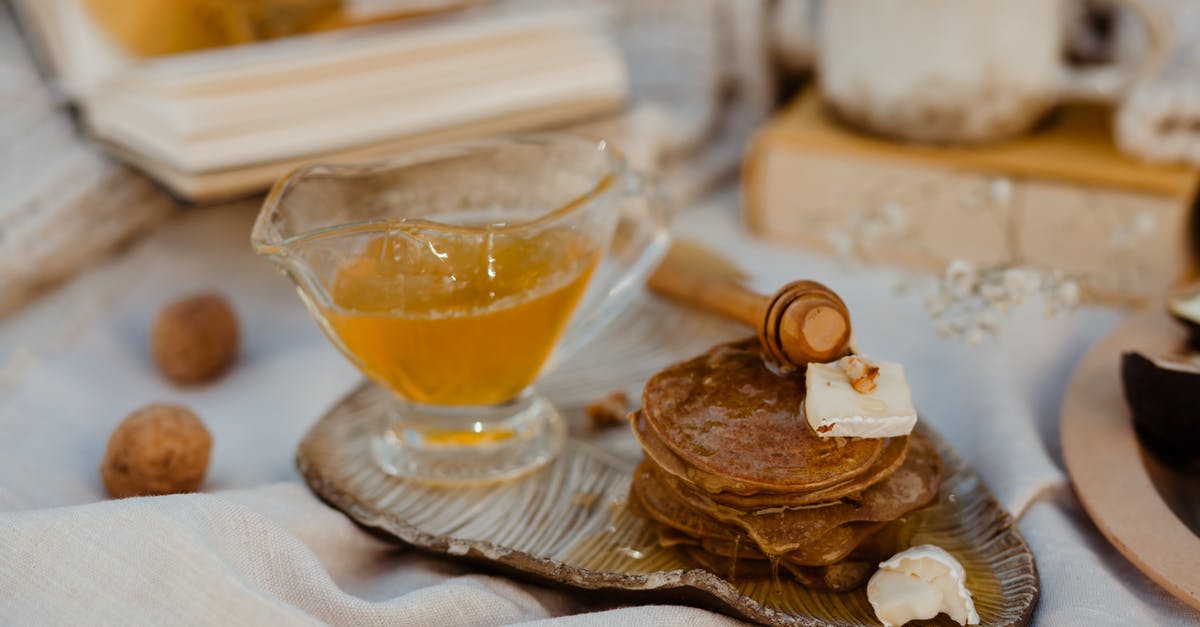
<point x="454" y="276"/>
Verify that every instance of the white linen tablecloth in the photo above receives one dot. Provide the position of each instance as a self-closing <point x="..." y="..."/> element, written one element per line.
<point x="258" y="548"/>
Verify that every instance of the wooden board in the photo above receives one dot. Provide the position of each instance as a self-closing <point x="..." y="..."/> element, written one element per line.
<point x="1061" y="199"/>
<point x="1107" y="464"/>
<point x="1074" y="145"/>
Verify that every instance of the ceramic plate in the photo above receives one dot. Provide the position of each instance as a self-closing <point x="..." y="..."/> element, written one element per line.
<point x="1149" y="513"/>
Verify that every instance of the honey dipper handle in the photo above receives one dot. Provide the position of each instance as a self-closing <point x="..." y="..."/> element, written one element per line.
<point x="719" y="296"/>
<point x="803" y="322"/>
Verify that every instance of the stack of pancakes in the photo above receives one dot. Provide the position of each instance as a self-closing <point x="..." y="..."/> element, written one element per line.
<point x="736" y="480"/>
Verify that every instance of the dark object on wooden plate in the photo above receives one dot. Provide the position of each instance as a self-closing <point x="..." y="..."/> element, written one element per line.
<point x="1185" y="308"/>
<point x="1164" y="396"/>
<point x="1150" y="517"/>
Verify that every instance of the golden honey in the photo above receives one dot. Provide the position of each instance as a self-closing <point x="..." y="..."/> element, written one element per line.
<point x="458" y="318"/>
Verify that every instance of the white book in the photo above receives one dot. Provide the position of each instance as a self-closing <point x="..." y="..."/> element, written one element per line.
<point x="229" y="121"/>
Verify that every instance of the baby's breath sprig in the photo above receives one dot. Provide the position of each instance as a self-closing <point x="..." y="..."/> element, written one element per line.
<point x="970" y="303"/>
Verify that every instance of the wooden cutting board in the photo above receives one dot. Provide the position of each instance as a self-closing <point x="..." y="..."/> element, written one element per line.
<point x="1063" y="197"/>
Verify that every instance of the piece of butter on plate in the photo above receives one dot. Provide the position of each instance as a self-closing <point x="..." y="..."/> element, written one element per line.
<point x="918" y="584"/>
<point x="835" y="409"/>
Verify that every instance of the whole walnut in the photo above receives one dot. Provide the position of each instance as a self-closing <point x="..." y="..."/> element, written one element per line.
<point x="195" y="339"/>
<point x="158" y="449"/>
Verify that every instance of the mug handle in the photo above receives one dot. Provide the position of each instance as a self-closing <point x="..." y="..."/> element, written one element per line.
<point x="638" y="244"/>
<point x="1109" y="82"/>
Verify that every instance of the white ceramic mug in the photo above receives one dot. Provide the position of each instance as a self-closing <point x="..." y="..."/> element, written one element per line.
<point x="958" y="70"/>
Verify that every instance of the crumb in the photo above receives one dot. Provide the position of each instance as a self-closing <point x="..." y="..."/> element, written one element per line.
<point x="608" y="411"/>
<point x="159" y="449"/>
<point x="861" y="372"/>
<point x="195" y="339"/>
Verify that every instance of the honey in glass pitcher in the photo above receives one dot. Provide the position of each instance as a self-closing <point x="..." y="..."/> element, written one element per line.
<point x="453" y="276"/>
<point x="447" y="318"/>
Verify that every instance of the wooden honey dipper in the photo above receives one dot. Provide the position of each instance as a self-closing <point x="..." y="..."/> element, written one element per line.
<point x="803" y="322"/>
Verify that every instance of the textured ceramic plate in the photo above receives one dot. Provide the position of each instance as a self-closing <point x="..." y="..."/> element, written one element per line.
<point x="568" y="523"/>
<point x="1148" y="512"/>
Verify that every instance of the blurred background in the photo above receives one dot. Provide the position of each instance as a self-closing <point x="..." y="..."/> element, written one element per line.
<point x="1063" y="134"/>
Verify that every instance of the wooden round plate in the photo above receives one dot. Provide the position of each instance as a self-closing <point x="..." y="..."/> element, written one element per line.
<point x="1115" y="479"/>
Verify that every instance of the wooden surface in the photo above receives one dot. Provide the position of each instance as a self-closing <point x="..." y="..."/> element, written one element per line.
<point x="1073" y="145"/>
<point x="1106" y="464"/>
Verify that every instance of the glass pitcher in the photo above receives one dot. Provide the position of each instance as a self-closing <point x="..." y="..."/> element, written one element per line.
<point x="454" y="276"/>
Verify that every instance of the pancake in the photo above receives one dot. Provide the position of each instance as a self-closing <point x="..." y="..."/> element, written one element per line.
<point x="661" y="504"/>
<point x="888" y="461"/>
<point x="831" y="548"/>
<point x="728" y="414"/>
<point x="736" y="481"/>
<point x="740" y="560"/>
<point x="658" y="504"/>
<point x="785" y="530"/>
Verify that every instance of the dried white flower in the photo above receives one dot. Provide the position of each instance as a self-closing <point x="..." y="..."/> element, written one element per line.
<point x="944" y="329"/>
<point x="935" y="305"/>
<point x="959" y="269"/>
<point x="1143" y="223"/>
<point x="1128" y="235"/>
<point x="970" y="302"/>
<point x="841" y="244"/>
<point x="988" y="320"/>
<point x="993" y="293"/>
<point x="867" y="227"/>
<point x="1017" y="280"/>
<point x="1068" y="293"/>
<point x="1000" y="191"/>
<point x="894" y="216"/>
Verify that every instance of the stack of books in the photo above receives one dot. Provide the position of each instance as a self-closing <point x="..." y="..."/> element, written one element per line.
<point x="223" y="122"/>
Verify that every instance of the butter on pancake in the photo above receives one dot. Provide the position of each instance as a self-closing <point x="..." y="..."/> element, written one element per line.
<point x="834" y="407"/>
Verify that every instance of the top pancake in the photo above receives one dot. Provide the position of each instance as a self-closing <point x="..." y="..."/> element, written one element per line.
<point x="727" y="413"/>
<point x="726" y="491"/>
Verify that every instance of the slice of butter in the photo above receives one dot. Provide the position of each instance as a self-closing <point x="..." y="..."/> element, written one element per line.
<point x="918" y="584"/>
<point x="834" y="408"/>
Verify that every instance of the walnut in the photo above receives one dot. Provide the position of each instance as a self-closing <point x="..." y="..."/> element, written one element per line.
<point x="195" y="339"/>
<point x="861" y="372"/>
<point x="158" y="449"/>
<point x="608" y="411"/>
